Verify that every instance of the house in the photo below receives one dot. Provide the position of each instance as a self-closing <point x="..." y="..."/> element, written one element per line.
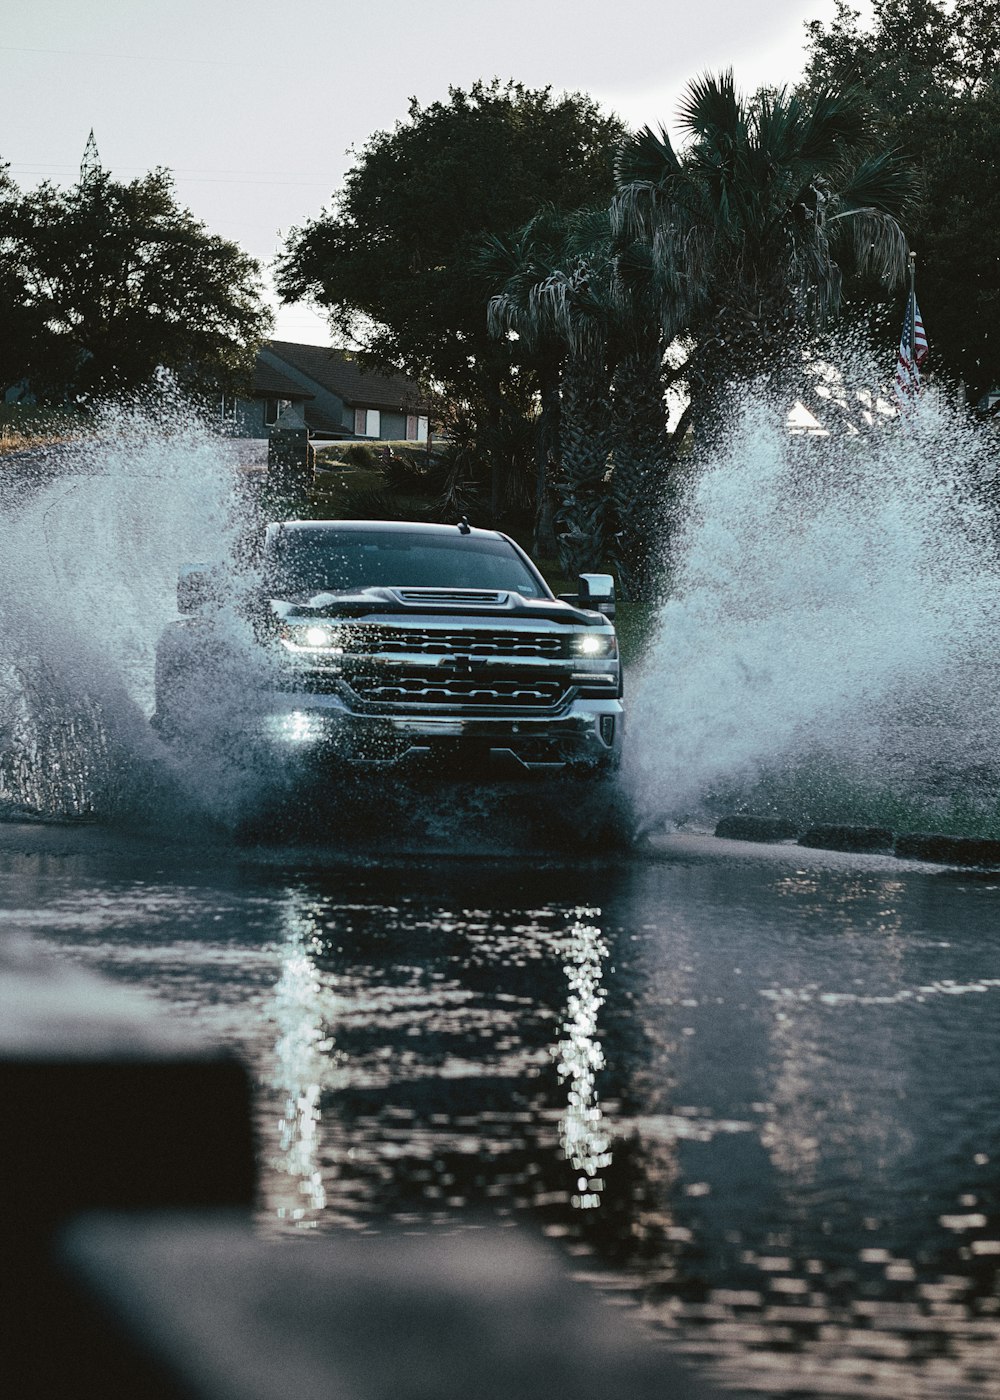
<point x="336" y="397"/>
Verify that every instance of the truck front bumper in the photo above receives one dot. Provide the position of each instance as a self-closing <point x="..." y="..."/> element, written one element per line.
<point x="587" y="733"/>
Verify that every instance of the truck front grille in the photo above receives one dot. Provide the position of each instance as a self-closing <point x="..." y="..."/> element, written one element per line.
<point x="481" y="641"/>
<point x="412" y="687"/>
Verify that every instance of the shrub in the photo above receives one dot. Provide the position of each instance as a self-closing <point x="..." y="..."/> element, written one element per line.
<point x="374" y="505"/>
<point x="359" y="454"/>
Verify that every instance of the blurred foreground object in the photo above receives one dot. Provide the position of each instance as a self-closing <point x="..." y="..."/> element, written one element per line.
<point x="483" y="1312"/>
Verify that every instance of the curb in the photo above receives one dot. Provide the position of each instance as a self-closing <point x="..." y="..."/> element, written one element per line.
<point x="949" y="850"/>
<point x="746" y="828"/>
<point x="970" y="852"/>
<point x="871" y="840"/>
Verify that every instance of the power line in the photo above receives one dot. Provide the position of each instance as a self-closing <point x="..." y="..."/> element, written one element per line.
<point x="178" y="175"/>
<point x="37" y="165"/>
<point x="137" y="58"/>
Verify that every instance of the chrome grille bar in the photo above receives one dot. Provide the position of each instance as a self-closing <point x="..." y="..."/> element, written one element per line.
<point x="440" y="688"/>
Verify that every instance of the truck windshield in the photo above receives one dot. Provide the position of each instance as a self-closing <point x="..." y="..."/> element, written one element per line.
<point x="305" y="562"/>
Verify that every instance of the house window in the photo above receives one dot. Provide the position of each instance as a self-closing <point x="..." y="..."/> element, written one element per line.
<point x="227" y="408"/>
<point x="272" y="410"/>
<point x="416" y="427"/>
<point x="367" y="422"/>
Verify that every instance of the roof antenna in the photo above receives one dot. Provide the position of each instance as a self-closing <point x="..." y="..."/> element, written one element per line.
<point x="464" y="528"/>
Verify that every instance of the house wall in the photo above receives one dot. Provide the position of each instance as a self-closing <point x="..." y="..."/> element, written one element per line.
<point x="393" y="426"/>
<point x="250" y="418"/>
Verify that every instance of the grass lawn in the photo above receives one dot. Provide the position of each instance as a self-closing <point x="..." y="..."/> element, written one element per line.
<point x="23" y="426"/>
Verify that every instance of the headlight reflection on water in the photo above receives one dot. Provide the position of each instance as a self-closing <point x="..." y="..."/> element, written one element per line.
<point x="302" y="1064"/>
<point x="583" y="1134"/>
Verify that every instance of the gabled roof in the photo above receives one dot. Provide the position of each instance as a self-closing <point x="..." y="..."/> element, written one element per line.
<point x="338" y="371"/>
<point x="271" y="383"/>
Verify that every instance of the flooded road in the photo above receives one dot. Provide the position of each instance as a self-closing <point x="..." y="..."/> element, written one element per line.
<point x="753" y="1090"/>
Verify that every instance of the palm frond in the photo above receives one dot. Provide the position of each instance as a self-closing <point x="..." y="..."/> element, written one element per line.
<point x="588" y="233"/>
<point x="775" y="121"/>
<point x="646" y="158"/>
<point x="883" y="181"/>
<point x="879" y="245"/>
<point x="712" y="110"/>
<point x="633" y="209"/>
<point x="835" y="125"/>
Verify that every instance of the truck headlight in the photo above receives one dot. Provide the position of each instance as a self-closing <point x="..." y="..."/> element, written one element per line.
<point x="595" y="644"/>
<point x="313" y="636"/>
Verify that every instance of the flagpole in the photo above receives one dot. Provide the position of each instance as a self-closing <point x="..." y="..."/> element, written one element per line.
<point x="913" y="309"/>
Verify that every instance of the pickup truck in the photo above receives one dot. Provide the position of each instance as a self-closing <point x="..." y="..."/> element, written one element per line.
<point x="382" y="642"/>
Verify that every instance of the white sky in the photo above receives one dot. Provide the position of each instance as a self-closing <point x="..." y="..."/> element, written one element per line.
<point x="255" y="106"/>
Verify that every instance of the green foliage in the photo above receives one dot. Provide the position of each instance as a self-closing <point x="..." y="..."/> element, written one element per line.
<point x="28" y="425"/>
<point x="394" y="262"/>
<point x="729" y="246"/>
<point x="416" y="474"/>
<point x="358" y="454"/>
<point x="750" y="226"/>
<point x="929" y="71"/>
<point x="104" y="283"/>
<point x="914" y="53"/>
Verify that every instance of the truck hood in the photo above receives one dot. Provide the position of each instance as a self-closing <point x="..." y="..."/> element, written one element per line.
<point x="428" y="602"/>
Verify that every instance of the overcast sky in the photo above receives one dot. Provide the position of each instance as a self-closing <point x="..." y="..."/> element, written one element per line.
<point x="255" y="106"/>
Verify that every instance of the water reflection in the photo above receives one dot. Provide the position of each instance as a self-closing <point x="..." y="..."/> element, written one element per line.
<point x="302" y="1063"/>
<point x="761" y="1101"/>
<point x="582" y="1132"/>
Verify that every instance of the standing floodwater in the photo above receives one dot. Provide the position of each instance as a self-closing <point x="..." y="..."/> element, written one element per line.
<point x="756" y="1096"/>
<point x="830" y="648"/>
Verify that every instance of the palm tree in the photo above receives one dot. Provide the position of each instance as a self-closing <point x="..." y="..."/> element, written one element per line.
<point x="513" y="268"/>
<point x="550" y="300"/>
<point x="581" y="305"/>
<point x="642" y="450"/>
<point x="751" y="226"/>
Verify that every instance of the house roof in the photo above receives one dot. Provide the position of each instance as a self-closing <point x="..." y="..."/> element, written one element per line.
<point x="338" y="371"/>
<point x="269" y="382"/>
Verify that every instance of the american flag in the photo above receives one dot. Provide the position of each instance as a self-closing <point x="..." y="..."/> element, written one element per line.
<point x="908" y="364"/>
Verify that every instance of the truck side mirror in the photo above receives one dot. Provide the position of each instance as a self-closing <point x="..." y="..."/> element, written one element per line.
<point x="597" y="592"/>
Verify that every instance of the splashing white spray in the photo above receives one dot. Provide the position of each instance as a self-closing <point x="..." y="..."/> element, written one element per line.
<point x="93" y="536"/>
<point x="832" y="597"/>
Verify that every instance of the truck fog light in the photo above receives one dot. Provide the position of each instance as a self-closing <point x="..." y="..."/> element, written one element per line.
<point x="608" y="729"/>
<point x="298" y="727"/>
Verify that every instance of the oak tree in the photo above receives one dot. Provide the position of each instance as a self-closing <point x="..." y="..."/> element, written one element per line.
<point x="110" y="282"/>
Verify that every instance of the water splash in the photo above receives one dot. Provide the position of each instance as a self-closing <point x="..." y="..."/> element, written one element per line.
<point x="93" y="536"/>
<point x="829" y="648"/>
<point x="830" y="644"/>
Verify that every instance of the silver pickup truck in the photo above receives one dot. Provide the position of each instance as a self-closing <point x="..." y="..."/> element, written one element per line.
<point x="380" y="642"/>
